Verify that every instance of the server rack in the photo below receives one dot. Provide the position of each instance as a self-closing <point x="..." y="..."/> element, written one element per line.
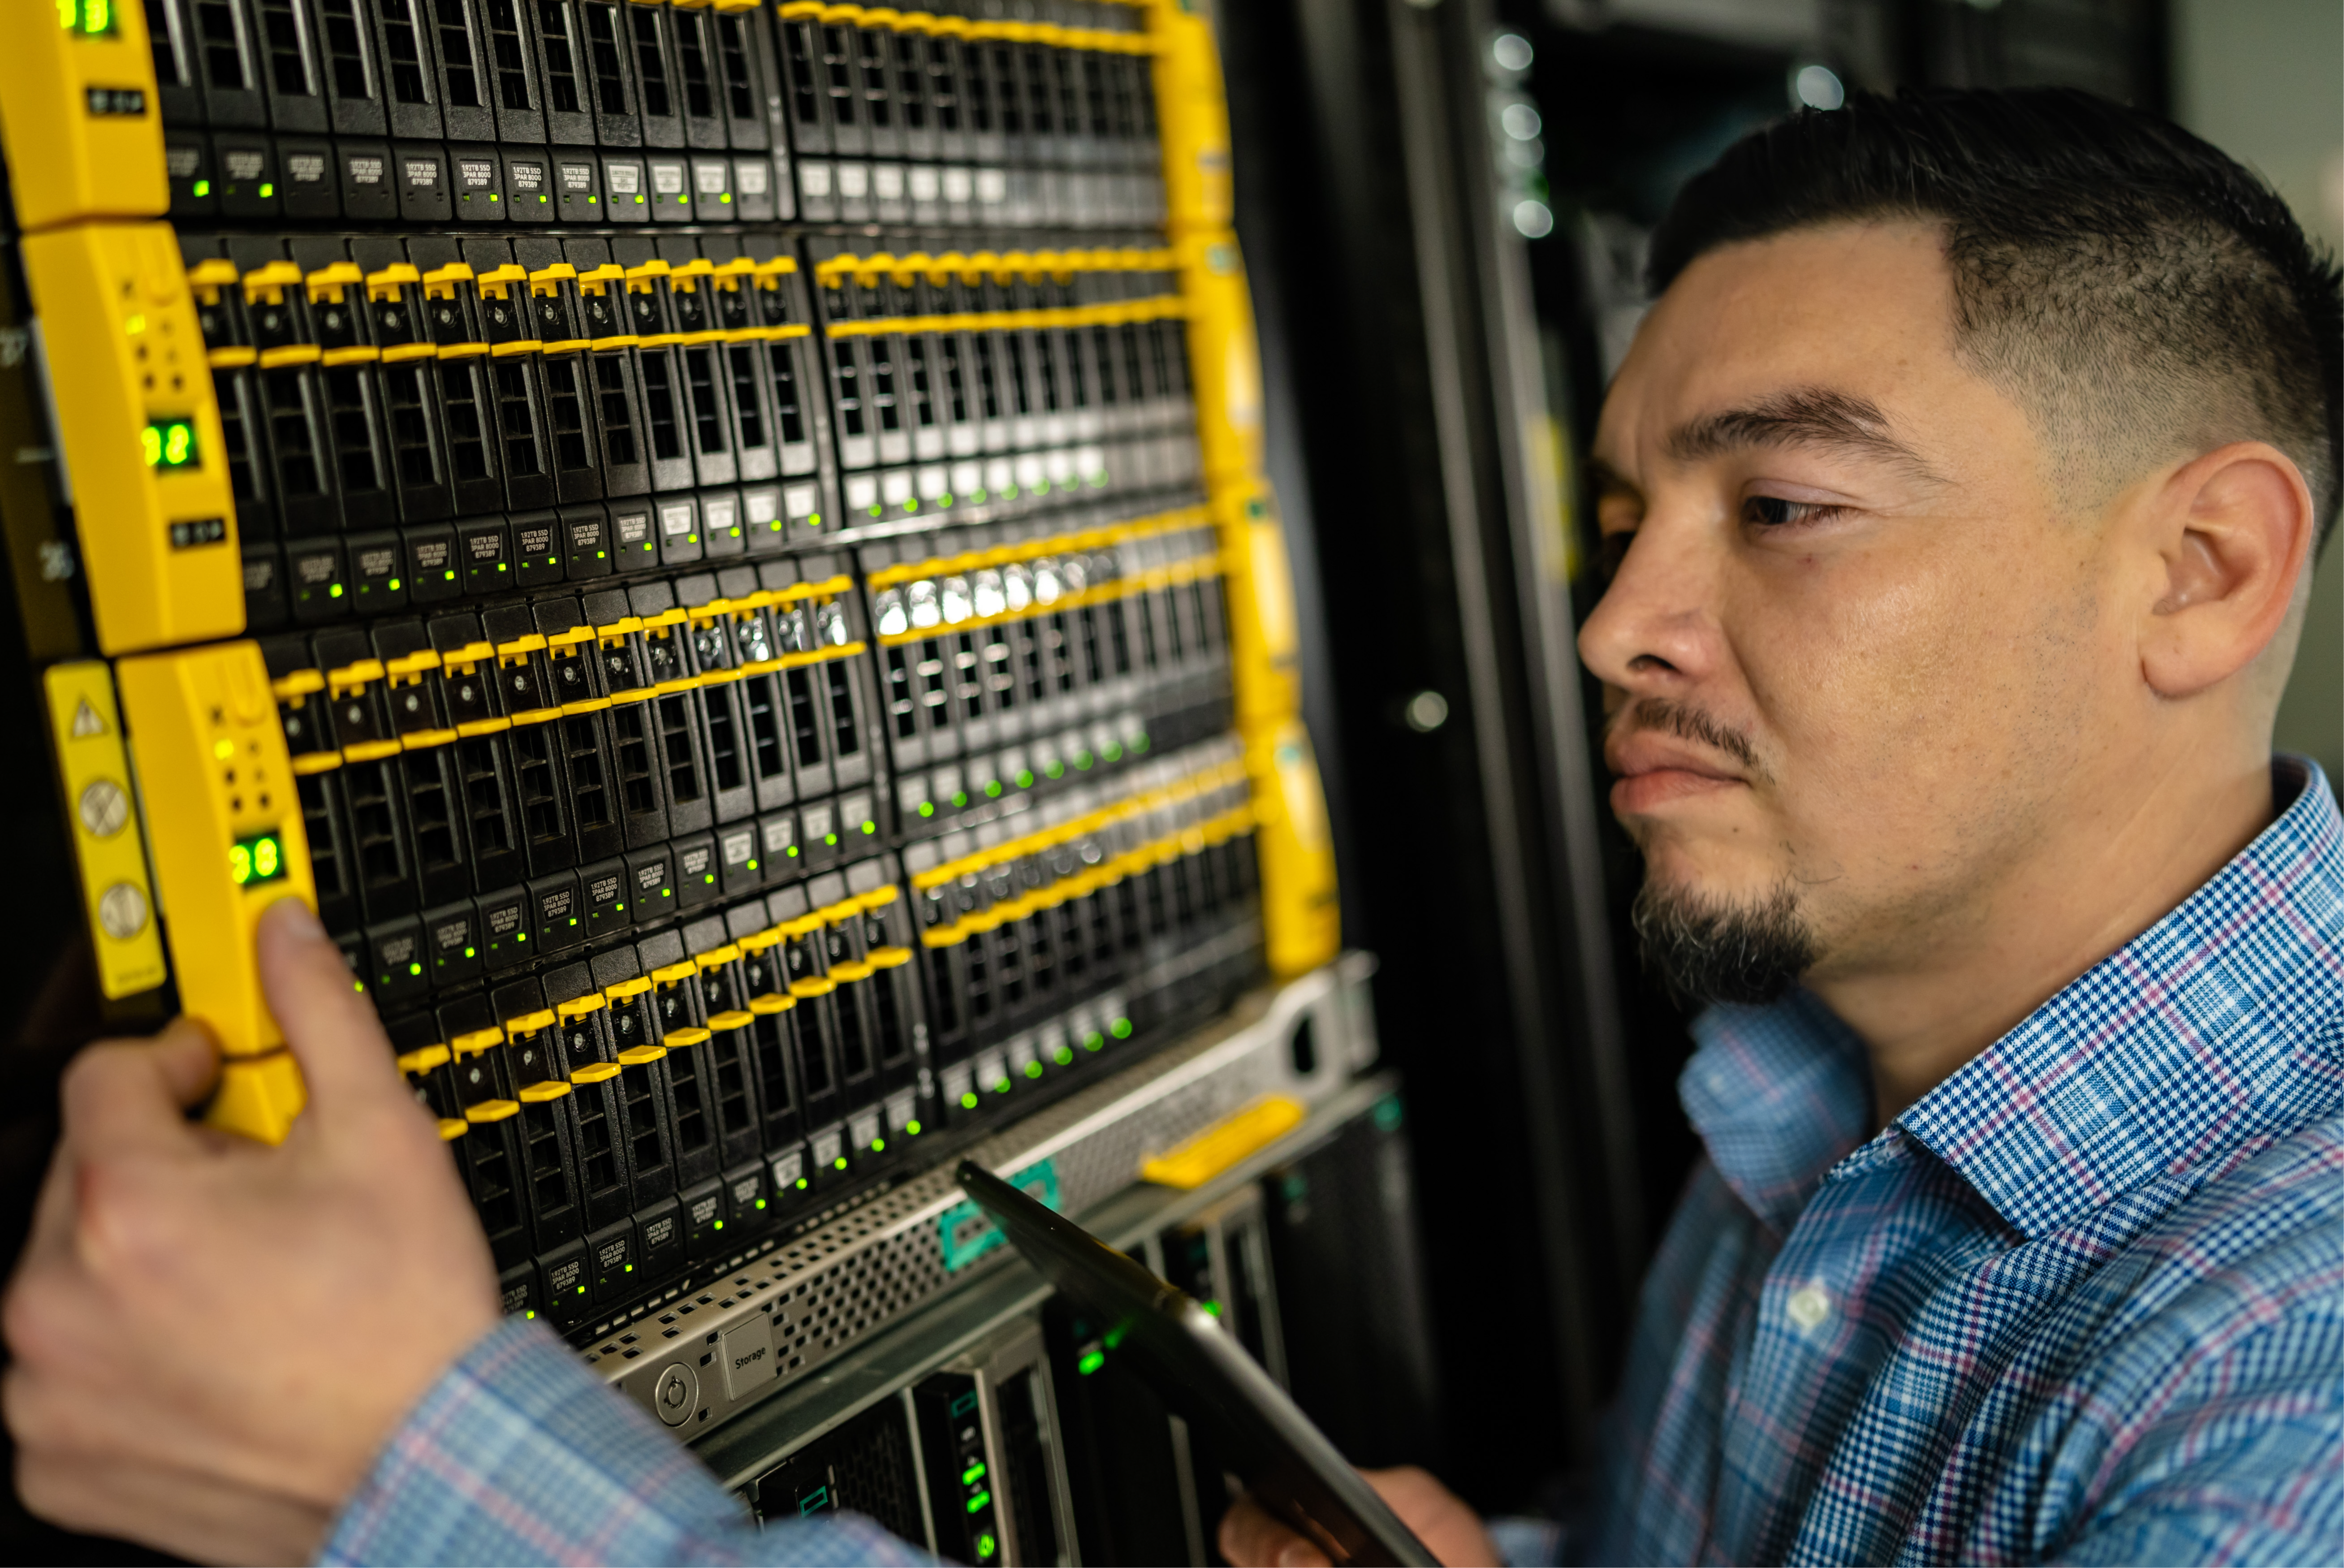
<point x="723" y="548"/>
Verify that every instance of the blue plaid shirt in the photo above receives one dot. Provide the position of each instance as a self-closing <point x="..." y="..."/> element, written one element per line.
<point x="2084" y="1301"/>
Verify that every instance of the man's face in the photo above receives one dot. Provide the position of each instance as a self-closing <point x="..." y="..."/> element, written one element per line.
<point x="1857" y="666"/>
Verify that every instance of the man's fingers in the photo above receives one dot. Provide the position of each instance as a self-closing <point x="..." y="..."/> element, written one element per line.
<point x="122" y="1095"/>
<point x="1253" y="1537"/>
<point x="346" y="1060"/>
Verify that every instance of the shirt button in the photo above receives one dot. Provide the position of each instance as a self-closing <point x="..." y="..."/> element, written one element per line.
<point x="1809" y="1305"/>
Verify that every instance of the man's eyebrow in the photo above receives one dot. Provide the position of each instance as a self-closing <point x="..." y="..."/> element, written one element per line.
<point x="1814" y="417"/>
<point x="1605" y="480"/>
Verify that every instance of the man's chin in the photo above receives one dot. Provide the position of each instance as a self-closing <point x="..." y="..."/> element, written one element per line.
<point x="1747" y="947"/>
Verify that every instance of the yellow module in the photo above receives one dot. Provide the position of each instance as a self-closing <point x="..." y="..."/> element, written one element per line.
<point x="105" y="826"/>
<point x="141" y="432"/>
<point x="78" y="115"/>
<point x="226" y="825"/>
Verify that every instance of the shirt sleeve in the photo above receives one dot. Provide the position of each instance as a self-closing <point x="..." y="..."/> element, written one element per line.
<point x="1524" y="1543"/>
<point x="2254" y="1477"/>
<point x="519" y="1455"/>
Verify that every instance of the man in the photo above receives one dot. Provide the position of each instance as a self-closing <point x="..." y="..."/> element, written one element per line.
<point x="1963" y="487"/>
<point x="1971" y="462"/>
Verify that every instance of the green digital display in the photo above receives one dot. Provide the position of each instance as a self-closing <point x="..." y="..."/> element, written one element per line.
<point x="89" y="18"/>
<point x="170" y="444"/>
<point x="260" y="858"/>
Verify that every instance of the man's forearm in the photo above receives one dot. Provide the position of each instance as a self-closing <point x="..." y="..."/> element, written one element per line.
<point x="518" y="1455"/>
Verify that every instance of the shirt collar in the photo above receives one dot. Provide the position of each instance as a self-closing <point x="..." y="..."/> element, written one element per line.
<point x="2215" y="1030"/>
<point x="2218" y="1028"/>
<point x="1778" y="1094"/>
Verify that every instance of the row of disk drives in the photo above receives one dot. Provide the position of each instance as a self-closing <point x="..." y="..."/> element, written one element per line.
<point x="1037" y="1444"/>
<point x="420" y="421"/>
<point x="1017" y="112"/>
<point x="641" y="1113"/>
<point x="626" y="754"/>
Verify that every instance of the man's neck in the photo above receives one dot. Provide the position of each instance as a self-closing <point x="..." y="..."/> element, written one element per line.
<point x="2077" y="901"/>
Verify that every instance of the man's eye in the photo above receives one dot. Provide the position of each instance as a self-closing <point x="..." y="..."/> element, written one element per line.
<point x="1773" y="511"/>
<point x="1611" y="551"/>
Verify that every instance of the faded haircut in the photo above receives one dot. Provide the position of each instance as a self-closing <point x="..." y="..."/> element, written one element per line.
<point x="2138" y="293"/>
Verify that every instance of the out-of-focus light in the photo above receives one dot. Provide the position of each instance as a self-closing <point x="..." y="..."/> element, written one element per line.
<point x="1511" y="51"/>
<point x="1818" y="87"/>
<point x="1521" y="122"/>
<point x="1526" y="155"/>
<point x="1532" y="219"/>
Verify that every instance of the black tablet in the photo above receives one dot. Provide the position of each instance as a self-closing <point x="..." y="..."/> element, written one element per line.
<point x="1200" y="1371"/>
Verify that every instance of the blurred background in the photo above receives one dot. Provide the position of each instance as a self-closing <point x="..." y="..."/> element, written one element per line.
<point x="1444" y="207"/>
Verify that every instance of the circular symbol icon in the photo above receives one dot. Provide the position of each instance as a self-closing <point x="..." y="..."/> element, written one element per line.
<point x="674" y="1395"/>
<point x="122" y="911"/>
<point x="105" y="808"/>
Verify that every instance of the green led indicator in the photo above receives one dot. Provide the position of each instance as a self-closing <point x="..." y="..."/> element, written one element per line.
<point x="840" y="1162"/>
<point x="985" y="1545"/>
<point x="1120" y="1028"/>
<point x="1081" y="759"/>
<point x="1212" y="1307"/>
<point x="993" y="789"/>
<point x="761" y="1203"/>
<point x="203" y="188"/>
<point x="960" y="797"/>
<point x="1093" y="1039"/>
<point x="1032" y="1069"/>
<point x="394" y="585"/>
<point x="1092" y="1362"/>
<point x="1002" y="1088"/>
<point x="878" y="1145"/>
<point x="267" y="190"/>
<point x="968" y="1477"/>
<point x="720" y="1225"/>
<point x="470" y="953"/>
<point x="1024" y="778"/>
<point x="415" y="968"/>
<point x="1113" y="751"/>
<point x="335" y="592"/>
<point x="968" y="1100"/>
<point x="802" y="1181"/>
<point x="1063" y="1056"/>
<point x="979" y="1501"/>
<point x="1054" y="769"/>
<point x="927" y="808"/>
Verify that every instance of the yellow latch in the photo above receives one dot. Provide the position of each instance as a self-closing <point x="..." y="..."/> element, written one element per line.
<point x="1198" y="1159"/>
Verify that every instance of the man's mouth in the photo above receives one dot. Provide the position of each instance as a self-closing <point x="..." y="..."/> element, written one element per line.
<point x="1656" y="769"/>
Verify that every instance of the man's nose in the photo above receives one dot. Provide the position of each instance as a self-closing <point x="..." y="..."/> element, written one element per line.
<point x="1655" y="629"/>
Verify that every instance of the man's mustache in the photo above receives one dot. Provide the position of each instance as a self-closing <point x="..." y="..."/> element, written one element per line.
<point x="1686" y="722"/>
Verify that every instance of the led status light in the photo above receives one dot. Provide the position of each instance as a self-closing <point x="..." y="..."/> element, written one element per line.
<point x="168" y="443"/>
<point x="260" y="858"/>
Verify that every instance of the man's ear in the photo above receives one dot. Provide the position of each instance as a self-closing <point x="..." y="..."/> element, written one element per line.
<point x="2232" y="530"/>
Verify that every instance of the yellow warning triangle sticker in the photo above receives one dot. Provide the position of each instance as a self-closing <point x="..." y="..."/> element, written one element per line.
<point x="85" y="722"/>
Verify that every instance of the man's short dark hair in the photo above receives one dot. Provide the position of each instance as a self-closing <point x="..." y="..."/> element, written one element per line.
<point x="2140" y="294"/>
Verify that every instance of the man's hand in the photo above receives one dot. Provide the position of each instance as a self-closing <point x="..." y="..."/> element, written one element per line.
<point x="212" y="1339"/>
<point x="1253" y="1537"/>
